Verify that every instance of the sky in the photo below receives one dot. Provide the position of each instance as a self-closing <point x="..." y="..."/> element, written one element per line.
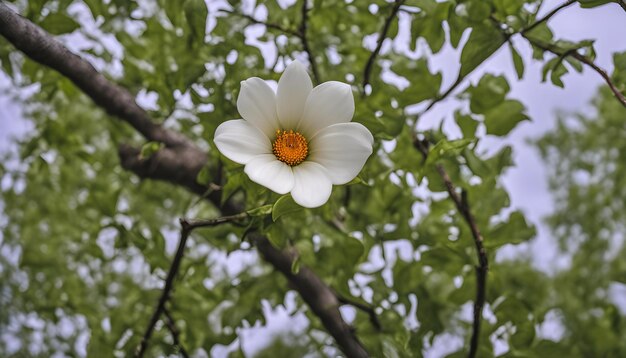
<point x="527" y="182"/>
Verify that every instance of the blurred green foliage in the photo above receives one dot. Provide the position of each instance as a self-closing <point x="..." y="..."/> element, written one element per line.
<point x="93" y="242"/>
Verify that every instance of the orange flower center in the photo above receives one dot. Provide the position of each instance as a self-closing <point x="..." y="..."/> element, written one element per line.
<point x="290" y="147"/>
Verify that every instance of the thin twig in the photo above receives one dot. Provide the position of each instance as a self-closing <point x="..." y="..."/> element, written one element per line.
<point x="363" y="307"/>
<point x="463" y="208"/>
<point x="265" y="23"/>
<point x="178" y="164"/>
<point x="460" y="79"/>
<point x="442" y="96"/>
<point x="548" y="16"/>
<point x="555" y="50"/>
<point x="171" y="326"/>
<point x="381" y="38"/>
<point x="305" y="40"/>
<point x="187" y="226"/>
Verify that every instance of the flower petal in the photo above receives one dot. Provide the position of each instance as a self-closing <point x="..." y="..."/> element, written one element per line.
<point x="294" y="87"/>
<point x="312" y="186"/>
<point x="240" y="141"/>
<point x="342" y="149"/>
<point x="257" y="104"/>
<point x="271" y="173"/>
<point x="329" y="103"/>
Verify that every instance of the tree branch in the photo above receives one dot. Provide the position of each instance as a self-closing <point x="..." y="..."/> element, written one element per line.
<point x="41" y="47"/>
<point x="573" y="53"/>
<point x="266" y="24"/>
<point x="460" y="79"/>
<point x="171" y="326"/>
<point x="187" y="226"/>
<point x="179" y="163"/>
<point x="305" y="40"/>
<point x="363" y="307"/>
<point x="320" y="298"/>
<point x="463" y="208"/>
<point x="381" y="38"/>
<point x="548" y="16"/>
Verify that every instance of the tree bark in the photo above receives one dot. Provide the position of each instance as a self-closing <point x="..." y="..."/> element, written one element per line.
<point x="178" y="163"/>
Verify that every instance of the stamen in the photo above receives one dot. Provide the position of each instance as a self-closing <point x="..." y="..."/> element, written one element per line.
<point x="290" y="147"/>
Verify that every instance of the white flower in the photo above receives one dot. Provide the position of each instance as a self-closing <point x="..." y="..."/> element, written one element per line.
<point x="299" y="140"/>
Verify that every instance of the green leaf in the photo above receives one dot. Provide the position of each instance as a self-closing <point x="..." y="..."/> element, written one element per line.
<point x="204" y="176"/>
<point x="619" y="73"/>
<point x="467" y="124"/>
<point x="504" y="117"/>
<point x="261" y="210"/>
<point x="483" y="42"/>
<point x="430" y="26"/>
<point x="524" y="335"/>
<point x="427" y="86"/>
<point x="513" y="231"/>
<point x="508" y="7"/>
<point x="445" y="148"/>
<point x="149" y="149"/>
<point x="358" y="180"/>
<point x="234" y="182"/>
<point x="196" y="14"/>
<point x="517" y="62"/>
<point x="488" y="93"/>
<point x="477" y="10"/>
<point x="284" y="205"/>
<point x="586" y="4"/>
<point x="58" y="24"/>
<point x="295" y="265"/>
<point x="476" y="165"/>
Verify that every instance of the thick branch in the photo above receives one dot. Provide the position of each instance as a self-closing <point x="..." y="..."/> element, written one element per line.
<point x="305" y="41"/>
<point x="186" y="228"/>
<point x="463" y="208"/>
<point x="381" y="38"/>
<point x="320" y="298"/>
<point x="179" y="163"/>
<point x="40" y="46"/>
<point x="555" y="50"/>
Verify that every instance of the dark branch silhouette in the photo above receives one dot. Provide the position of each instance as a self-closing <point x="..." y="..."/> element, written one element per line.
<point x="301" y="34"/>
<point x="548" y="16"/>
<point x="270" y="25"/>
<point x="171" y="326"/>
<point x="187" y="226"/>
<point x="587" y="61"/>
<point x="115" y="100"/>
<point x="178" y="163"/>
<point x="305" y="40"/>
<point x="507" y="37"/>
<point x="363" y="307"/>
<point x="367" y="72"/>
<point x="462" y="206"/>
